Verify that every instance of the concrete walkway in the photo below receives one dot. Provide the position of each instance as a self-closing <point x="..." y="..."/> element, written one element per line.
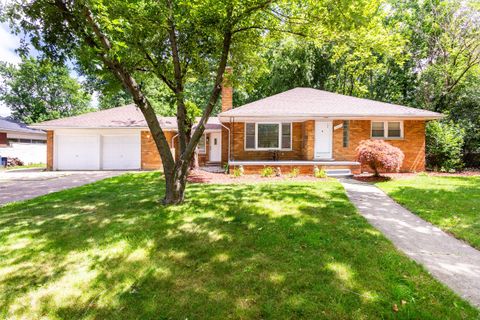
<point x="451" y="261"/>
<point x="17" y="185"/>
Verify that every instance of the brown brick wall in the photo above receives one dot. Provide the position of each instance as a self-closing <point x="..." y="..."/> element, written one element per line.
<point x="150" y="158"/>
<point x="308" y="138"/>
<point x="49" y="150"/>
<point x="227" y="90"/>
<point x="3" y="139"/>
<point x="412" y="145"/>
<point x="303" y="143"/>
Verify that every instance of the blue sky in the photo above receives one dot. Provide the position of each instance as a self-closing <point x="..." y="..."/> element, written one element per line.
<point x="8" y="44"/>
<point x="7" y="53"/>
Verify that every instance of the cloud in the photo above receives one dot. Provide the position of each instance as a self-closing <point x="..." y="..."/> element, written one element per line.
<point x="4" y="111"/>
<point x="8" y="45"/>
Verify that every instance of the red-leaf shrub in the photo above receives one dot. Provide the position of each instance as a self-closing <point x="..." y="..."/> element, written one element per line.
<point x="379" y="155"/>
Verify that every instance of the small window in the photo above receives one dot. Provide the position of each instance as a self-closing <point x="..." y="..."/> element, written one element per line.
<point x="250" y="136"/>
<point x="268" y="136"/>
<point x="346" y="133"/>
<point x="378" y="130"/>
<point x="286" y="135"/>
<point x="387" y="129"/>
<point x="394" y="130"/>
<point x="201" y="145"/>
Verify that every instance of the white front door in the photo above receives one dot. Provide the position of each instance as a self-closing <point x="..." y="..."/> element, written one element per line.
<point x="323" y="139"/>
<point x="121" y="152"/>
<point x="215" y="146"/>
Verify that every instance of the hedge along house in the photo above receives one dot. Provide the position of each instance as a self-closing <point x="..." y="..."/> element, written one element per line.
<point x="305" y="127"/>
<point x="118" y="139"/>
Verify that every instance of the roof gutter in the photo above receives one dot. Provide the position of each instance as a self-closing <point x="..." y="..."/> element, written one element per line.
<point x="325" y="117"/>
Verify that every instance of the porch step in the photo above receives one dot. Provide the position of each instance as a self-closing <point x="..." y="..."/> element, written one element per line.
<point x="339" y="173"/>
<point x="212" y="164"/>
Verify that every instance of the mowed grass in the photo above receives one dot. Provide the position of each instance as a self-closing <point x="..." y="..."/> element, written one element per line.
<point x="108" y="250"/>
<point x="451" y="203"/>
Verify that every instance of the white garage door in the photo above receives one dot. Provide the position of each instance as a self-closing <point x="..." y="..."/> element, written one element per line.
<point x="121" y="152"/>
<point x="77" y="152"/>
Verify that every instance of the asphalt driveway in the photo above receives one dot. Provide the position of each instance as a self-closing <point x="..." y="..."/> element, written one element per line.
<point x="26" y="184"/>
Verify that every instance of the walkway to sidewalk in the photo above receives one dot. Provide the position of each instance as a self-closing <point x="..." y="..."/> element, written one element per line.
<point x="451" y="261"/>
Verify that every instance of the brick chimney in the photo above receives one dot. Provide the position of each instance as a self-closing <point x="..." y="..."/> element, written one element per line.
<point x="227" y="90"/>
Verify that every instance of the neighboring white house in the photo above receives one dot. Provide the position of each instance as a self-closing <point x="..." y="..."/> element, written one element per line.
<point x="19" y="141"/>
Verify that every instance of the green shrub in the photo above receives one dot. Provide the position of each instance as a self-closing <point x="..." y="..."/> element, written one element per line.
<point x="238" y="172"/>
<point x="379" y="156"/>
<point x="294" y="172"/>
<point x="267" y="172"/>
<point x="444" y="143"/>
<point x="226" y="168"/>
<point x="319" y="173"/>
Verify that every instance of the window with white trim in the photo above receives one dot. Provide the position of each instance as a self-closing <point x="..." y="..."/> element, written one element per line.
<point x="387" y="129"/>
<point x="201" y="146"/>
<point x="268" y="136"/>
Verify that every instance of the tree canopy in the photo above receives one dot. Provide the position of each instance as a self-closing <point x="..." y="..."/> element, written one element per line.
<point x="39" y="90"/>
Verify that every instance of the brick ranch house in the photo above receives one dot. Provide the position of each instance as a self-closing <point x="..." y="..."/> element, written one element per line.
<point x="301" y="128"/>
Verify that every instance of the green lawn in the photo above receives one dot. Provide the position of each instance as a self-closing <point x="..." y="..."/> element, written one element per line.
<point x="260" y="251"/>
<point x="451" y="203"/>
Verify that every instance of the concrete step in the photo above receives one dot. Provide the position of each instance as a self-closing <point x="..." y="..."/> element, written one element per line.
<point x="339" y="173"/>
<point x="212" y="164"/>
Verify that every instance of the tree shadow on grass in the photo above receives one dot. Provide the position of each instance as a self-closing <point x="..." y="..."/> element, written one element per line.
<point x="284" y="250"/>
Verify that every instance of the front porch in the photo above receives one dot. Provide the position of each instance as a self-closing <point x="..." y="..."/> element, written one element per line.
<point x="305" y="167"/>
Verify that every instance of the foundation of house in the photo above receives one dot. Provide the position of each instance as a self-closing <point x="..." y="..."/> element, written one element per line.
<point x="304" y="167"/>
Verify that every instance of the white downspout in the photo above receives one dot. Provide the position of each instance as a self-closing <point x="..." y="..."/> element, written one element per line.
<point x="173" y="143"/>
<point x="172" y="148"/>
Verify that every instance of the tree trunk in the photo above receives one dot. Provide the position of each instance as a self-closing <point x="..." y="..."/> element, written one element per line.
<point x="194" y="163"/>
<point x="175" y="183"/>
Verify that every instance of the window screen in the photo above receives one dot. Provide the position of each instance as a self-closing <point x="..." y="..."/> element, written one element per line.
<point x="250" y="136"/>
<point x="267" y="135"/>
<point x="201" y="144"/>
<point x="394" y="130"/>
<point x="286" y="135"/>
<point x="378" y="130"/>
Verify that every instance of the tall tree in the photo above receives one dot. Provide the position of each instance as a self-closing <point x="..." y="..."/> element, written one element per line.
<point x="170" y="40"/>
<point x="39" y="90"/>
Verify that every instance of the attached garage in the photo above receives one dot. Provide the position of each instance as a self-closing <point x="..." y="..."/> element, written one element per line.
<point x="77" y="152"/>
<point x="114" y="139"/>
<point x="101" y="149"/>
<point x="121" y="152"/>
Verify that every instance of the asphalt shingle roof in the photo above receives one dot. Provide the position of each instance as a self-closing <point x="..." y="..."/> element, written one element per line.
<point x="128" y="116"/>
<point x="8" y="124"/>
<point x="308" y="102"/>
